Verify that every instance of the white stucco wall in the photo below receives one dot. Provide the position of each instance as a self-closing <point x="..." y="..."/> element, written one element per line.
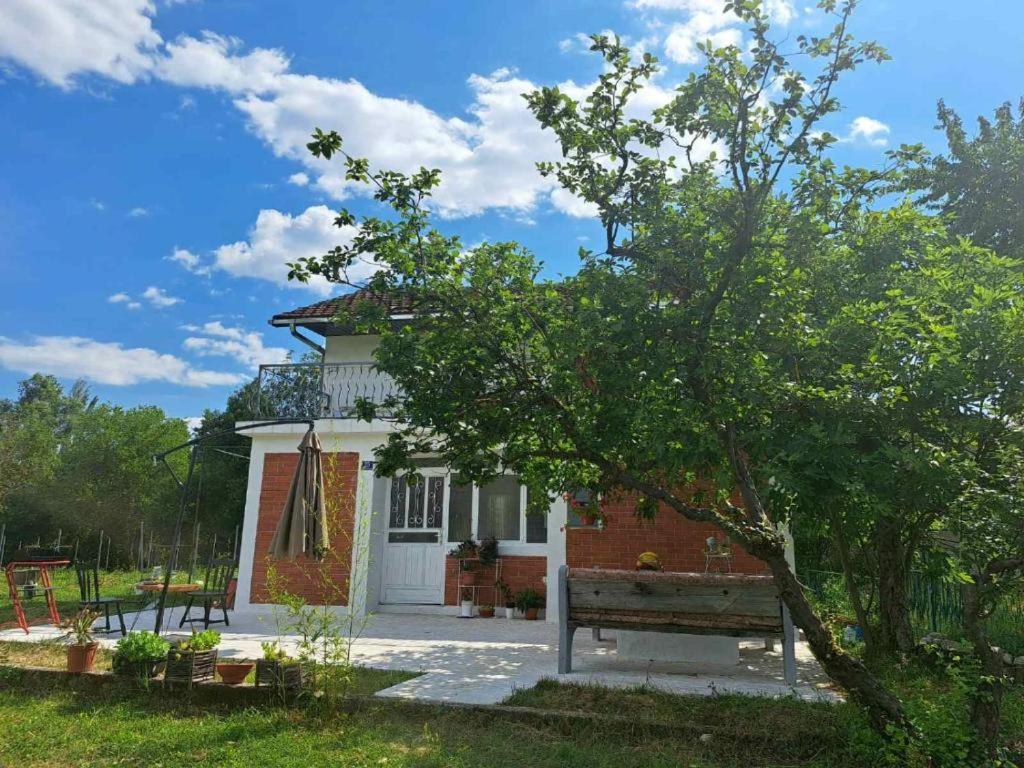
<point x="350" y="349"/>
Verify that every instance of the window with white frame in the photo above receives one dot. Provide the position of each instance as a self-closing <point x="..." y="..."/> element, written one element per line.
<point x="497" y="508"/>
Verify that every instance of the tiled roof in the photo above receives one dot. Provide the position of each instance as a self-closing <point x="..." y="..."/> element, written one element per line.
<point x="396" y="304"/>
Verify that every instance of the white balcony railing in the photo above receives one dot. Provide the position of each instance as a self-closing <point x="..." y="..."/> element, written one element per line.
<point x="318" y="390"/>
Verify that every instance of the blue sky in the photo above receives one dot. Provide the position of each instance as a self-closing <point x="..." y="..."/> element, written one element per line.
<point x="153" y="179"/>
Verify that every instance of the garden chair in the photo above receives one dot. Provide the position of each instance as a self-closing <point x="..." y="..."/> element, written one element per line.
<point x="214" y="594"/>
<point x="719" y="552"/>
<point x="89" y="589"/>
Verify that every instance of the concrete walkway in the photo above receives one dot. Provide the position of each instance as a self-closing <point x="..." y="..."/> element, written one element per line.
<point x="483" y="661"/>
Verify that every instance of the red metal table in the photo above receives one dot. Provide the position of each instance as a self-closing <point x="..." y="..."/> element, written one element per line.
<point x="46" y="586"/>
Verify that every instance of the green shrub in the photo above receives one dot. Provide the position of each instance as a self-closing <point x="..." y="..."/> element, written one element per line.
<point x="201" y="641"/>
<point x="141" y="646"/>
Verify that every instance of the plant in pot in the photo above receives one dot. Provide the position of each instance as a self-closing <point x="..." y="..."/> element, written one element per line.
<point x="529" y="601"/>
<point x="234" y="672"/>
<point x="192" y="659"/>
<point x="467" y="554"/>
<point x="466" y="604"/>
<point x="507" y="600"/>
<point x="487" y="552"/>
<point x="140" y="655"/>
<point x="81" y="645"/>
<point x="485" y="611"/>
<point x="589" y="512"/>
<point x="277" y="669"/>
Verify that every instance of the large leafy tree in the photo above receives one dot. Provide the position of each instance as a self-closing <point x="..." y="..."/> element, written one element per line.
<point x="665" y="358"/>
<point x="979" y="182"/>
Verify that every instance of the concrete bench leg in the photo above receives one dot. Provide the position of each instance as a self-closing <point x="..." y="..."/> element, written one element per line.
<point x="565" y="635"/>
<point x="565" y="629"/>
<point x="769" y="643"/>
<point x="788" y="647"/>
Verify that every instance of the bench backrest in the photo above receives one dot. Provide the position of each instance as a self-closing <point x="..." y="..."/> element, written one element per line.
<point x="722" y="604"/>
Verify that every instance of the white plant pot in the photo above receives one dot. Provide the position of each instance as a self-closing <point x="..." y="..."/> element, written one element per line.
<point x="466" y="609"/>
<point x="510" y="613"/>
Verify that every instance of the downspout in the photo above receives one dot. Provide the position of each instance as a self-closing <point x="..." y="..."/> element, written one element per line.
<point x="306" y="340"/>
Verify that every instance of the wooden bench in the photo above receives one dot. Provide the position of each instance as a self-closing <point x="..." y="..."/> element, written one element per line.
<point x="734" y="605"/>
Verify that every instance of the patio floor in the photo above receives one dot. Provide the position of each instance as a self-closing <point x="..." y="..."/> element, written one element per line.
<point x="482" y="661"/>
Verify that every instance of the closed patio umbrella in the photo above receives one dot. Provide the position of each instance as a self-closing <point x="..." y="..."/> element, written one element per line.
<point x="303" y="524"/>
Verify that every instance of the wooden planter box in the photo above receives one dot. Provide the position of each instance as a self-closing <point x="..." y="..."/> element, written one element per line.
<point x="190" y="666"/>
<point x="142" y="670"/>
<point x="276" y="674"/>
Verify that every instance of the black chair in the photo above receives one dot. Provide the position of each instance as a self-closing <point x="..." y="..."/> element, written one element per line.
<point x="89" y="589"/>
<point x="219" y="574"/>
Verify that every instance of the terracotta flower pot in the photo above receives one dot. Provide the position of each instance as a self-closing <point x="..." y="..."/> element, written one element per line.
<point x="531" y="614"/>
<point x="234" y="673"/>
<point x="587" y="519"/>
<point x="82" y="658"/>
<point x="485" y="612"/>
<point x="468" y="578"/>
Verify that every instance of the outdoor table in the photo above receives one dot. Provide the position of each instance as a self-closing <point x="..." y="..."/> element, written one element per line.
<point x="150" y="586"/>
<point x="46" y="587"/>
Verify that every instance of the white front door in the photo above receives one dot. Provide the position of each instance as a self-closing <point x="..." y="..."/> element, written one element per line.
<point x="413" y="570"/>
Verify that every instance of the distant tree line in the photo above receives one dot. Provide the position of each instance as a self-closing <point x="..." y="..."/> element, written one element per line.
<point x="73" y="466"/>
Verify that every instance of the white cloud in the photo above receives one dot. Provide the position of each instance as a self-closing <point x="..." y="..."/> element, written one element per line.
<point x="189" y="261"/>
<point x="707" y="21"/>
<point x="106" y="362"/>
<point x="487" y="155"/>
<point x="212" y="61"/>
<point x="97" y="204"/>
<point x="158" y="297"/>
<point x="138" y="212"/>
<point x="299" y="179"/>
<point x="59" y="39"/>
<point x="124" y="298"/>
<point x="868" y="130"/>
<point x="277" y="238"/>
<point x="244" y="346"/>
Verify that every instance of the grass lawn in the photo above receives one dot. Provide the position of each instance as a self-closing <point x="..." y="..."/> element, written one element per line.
<point x="123" y="726"/>
<point x="46" y="722"/>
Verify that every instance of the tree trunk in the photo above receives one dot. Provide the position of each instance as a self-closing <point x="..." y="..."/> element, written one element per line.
<point x="758" y="536"/>
<point x="851" y="583"/>
<point x="986" y="705"/>
<point x="895" y="634"/>
<point x="882" y="707"/>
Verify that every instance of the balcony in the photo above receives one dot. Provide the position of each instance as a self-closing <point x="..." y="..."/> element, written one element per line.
<point x="318" y="390"/>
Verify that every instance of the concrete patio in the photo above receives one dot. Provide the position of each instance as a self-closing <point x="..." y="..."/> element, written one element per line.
<point x="483" y="661"/>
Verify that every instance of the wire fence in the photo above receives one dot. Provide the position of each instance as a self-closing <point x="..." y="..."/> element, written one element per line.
<point x="935" y="606"/>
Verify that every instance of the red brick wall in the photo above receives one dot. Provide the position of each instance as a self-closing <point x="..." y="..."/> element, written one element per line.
<point x="678" y="542"/>
<point x="519" y="572"/>
<point x="320" y="583"/>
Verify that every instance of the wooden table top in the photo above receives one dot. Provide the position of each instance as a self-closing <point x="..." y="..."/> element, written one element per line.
<point x="149" y="586"/>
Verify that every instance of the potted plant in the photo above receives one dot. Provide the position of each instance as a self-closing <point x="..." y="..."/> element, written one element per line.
<point x="234" y="672"/>
<point x="278" y="669"/>
<point x="81" y="645"/>
<point x="487" y="552"/>
<point x="507" y="599"/>
<point x="485" y="611"/>
<point x="588" y="512"/>
<point x="140" y="655"/>
<point x="468" y="573"/>
<point x="466" y="603"/>
<point x="466" y="555"/>
<point x="193" y="659"/>
<point x="529" y="601"/>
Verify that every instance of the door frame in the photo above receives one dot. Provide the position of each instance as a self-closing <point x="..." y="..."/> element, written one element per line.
<point x="426" y="473"/>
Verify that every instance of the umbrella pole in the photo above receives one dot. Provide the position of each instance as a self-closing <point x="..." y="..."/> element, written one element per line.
<point x="182" y="505"/>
